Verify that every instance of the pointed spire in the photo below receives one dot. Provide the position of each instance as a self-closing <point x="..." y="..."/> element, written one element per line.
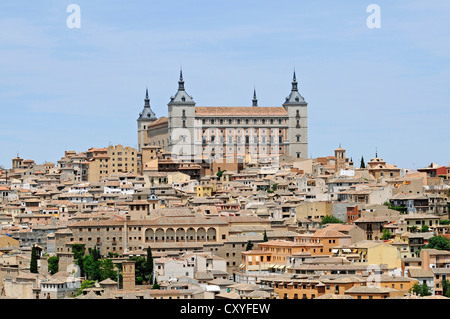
<point x="147" y="99"/>
<point x="181" y="97"/>
<point x="147" y="113"/>
<point x="294" y="82"/>
<point x="255" y="100"/>
<point x="181" y="82"/>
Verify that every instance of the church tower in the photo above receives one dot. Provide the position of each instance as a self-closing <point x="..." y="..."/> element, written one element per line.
<point x="340" y="161"/>
<point x="297" y="136"/>
<point x="129" y="276"/>
<point x="181" y="114"/>
<point x="146" y="117"/>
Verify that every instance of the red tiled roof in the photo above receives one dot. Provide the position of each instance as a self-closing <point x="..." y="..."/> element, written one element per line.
<point x="239" y="110"/>
<point x="159" y="121"/>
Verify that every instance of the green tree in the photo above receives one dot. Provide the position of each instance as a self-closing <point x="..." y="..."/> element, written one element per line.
<point x="149" y="265"/>
<point x="90" y="268"/>
<point x="444" y="222"/>
<point x="107" y="269"/>
<point x="362" y="165"/>
<point x="139" y="269"/>
<point x="249" y="246"/>
<point x="91" y="265"/>
<point x="422" y="290"/>
<point x="220" y="173"/>
<point x="424" y="229"/>
<point x="265" y="238"/>
<point x="53" y="264"/>
<point x="95" y="253"/>
<point x="386" y="234"/>
<point x="156" y="285"/>
<point x="85" y="285"/>
<point x="78" y="251"/>
<point x="272" y="188"/>
<point x="445" y="288"/>
<point x="413" y="228"/>
<point x="33" y="261"/>
<point x="330" y="220"/>
<point x="438" y="242"/>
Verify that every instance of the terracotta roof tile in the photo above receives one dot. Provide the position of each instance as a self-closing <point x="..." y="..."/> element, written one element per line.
<point x="239" y="110"/>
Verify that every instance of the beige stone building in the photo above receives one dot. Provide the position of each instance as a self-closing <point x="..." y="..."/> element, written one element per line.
<point x="378" y="168"/>
<point x="104" y="162"/>
<point x="155" y="134"/>
<point x="149" y="158"/>
<point x="223" y="132"/>
<point x="412" y="185"/>
<point x="314" y="210"/>
<point x="160" y="233"/>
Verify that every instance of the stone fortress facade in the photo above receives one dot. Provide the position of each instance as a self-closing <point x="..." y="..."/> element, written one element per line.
<point x="195" y="132"/>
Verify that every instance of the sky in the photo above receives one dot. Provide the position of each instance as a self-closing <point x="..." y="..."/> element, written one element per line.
<point x="384" y="90"/>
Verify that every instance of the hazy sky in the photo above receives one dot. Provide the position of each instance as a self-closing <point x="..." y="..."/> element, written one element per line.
<point x="71" y="89"/>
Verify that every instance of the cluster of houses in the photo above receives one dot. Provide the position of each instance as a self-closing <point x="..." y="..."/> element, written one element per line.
<point x="294" y="229"/>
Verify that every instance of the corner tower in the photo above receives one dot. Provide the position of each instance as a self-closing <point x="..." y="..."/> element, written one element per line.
<point x="181" y="114"/>
<point x="146" y="117"/>
<point x="297" y="134"/>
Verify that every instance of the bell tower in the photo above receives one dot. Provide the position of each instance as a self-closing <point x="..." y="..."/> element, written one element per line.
<point x="339" y="157"/>
<point x="146" y="117"/>
<point x="128" y="267"/>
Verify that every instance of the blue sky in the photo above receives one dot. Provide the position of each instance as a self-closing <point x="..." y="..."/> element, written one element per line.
<point x="71" y="89"/>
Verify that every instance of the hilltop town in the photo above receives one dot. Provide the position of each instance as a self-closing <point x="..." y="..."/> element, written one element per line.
<point x="263" y="221"/>
<point x="303" y="230"/>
